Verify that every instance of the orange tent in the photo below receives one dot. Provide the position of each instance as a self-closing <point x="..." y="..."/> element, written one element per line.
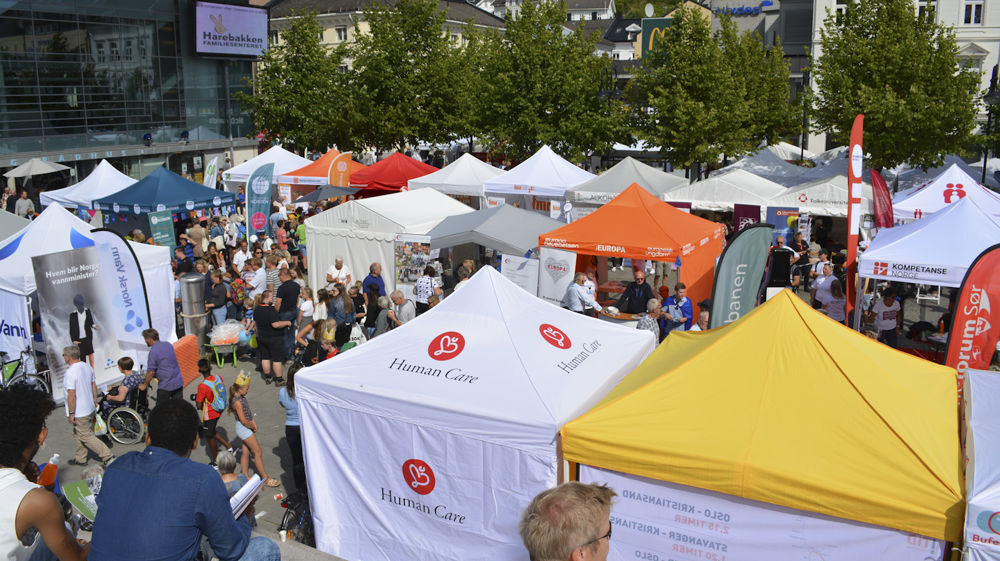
<point x="637" y="225"/>
<point x="318" y="172"/>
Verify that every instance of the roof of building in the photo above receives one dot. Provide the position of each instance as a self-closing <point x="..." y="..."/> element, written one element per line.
<point x="456" y="11"/>
<point x="587" y="4"/>
<point x="617" y="32"/>
<point x="592" y="25"/>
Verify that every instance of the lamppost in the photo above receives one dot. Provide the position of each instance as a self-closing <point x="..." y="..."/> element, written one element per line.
<point x="991" y="99"/>
<point x="609" y="91"/>
<point x="805" y="119"/>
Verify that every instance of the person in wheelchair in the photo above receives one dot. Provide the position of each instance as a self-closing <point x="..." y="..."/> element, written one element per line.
<point x="121" y="395"/>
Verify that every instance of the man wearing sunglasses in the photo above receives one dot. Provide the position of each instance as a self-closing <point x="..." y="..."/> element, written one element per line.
<point x="571" y="522"/>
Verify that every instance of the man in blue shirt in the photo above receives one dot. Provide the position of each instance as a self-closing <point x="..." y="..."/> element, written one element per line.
<point x="374" y="277"/>
<point x="678" y="313"/>
<point x="157" y="504"/>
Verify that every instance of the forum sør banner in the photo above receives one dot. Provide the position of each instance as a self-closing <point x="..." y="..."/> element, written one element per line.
<point x="76" y="309"/>
<point x="739" y="274"/>
<point x="259" y="199"/>
<point x="126" y="285"/>
<point x="972" y="339"/>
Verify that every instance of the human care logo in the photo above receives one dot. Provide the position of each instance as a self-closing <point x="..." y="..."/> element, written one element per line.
<point x="555" y="336"/>
<point x="446" y="346"/>
<point x="418" y="476"/>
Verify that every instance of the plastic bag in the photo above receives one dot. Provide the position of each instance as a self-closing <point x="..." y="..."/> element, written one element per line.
<point x="227" y="333"/>
<point x="100" y="427"/>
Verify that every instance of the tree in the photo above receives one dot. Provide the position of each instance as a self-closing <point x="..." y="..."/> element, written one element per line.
<point x="402" y="75"/>
<point x="902" y="71"/>
<point x="544" y="86"/>
<point x="298" y="93"/>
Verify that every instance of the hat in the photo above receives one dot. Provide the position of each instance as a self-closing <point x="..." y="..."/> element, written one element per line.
<point x="243" y="379"/>
<point x="329" y="334"/>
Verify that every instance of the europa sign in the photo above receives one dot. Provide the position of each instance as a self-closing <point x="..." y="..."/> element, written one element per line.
<point x="653" y="31"/>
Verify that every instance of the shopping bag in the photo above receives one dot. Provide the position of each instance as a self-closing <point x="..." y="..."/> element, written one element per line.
<point x="100" y="427"/>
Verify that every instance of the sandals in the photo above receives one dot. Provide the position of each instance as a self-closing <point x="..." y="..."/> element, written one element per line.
<point x="272" y="482"/>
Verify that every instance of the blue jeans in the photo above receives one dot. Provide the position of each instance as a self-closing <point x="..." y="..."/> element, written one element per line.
<point x="259" y="549"/>
<point x="219" y="315"/>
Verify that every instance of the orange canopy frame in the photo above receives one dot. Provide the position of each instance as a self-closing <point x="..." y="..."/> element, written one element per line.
<point x="318" y="172"/>
<point x="637" y="225"/>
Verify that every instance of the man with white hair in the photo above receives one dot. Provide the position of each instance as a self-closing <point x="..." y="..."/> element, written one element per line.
<point x="650" y="321"/>
<point x="339" y="273"/>
<point x="402" y="310"/>
<point x="576" y="298"/>
<point x="702" y="324"/>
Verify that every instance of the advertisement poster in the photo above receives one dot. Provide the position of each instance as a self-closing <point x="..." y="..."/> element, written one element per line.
<point x="745" y="216"/>
<point x="15" y="324"/>
<point x="972" y="339"/>
<point x="739" y="274"/>
<point x="556" y="272"/>
<point x="340" y="170"/>
<point x="785" y="221"/>
<point x="412" y="254"/>
<point x="161" y="227"/>
<point x="224" y="29"/>
<point x="657" y="520"/>
<point x="686" y="207"/>
<point x="521" y="271"/>
<point x="259" y="199"/>
<point x="76" y="306"/>
<point x="126" y="288"/>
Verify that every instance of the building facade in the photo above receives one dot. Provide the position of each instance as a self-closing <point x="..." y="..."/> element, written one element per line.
<point x="86" y="80"/>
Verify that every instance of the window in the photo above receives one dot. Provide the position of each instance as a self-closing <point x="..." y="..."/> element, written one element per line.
<point x="341" y="33"/>
<point x="272" y="37"/>
<point x="840" y="8"/>
<point x="128" y="50"/>
<point x="100" y="53"/>
<point x="320" y="36"/>
<point x="973" y="12"/>
<point x="114" y="51"/>
<point x="593" y="15"/>
<point x="342" y="68"/>
<point x="926" y="9"/>
<point x="455" y="39"/>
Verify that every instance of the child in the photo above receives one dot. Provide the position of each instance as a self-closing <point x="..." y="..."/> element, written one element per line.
<point x="306" y="307"/>
<point x="211" y="401"/>
<point x="245" y="429"/>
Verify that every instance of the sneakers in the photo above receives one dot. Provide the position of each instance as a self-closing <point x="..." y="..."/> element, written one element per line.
<point x="105" y="463"/>
<point x="73" y="462"/>
<point x="278" y="381"/>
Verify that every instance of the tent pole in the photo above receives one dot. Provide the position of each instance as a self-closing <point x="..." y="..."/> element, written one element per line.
<point x="858" y="299"/>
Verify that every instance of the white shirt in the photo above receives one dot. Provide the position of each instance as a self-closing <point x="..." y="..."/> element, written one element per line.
<point x="239" y="258"/>
<point x="307" y="308"/>
<point x="13" y="487"/>
<point x="885" y="316"/>
<point x="338" y="275"/>
<point x="80" y="377"/>
<point x="695" y="327"/>
<point x="822" y="286"/>
<point x="258" y="283"/>
<point x="576" y="299"/>
<point x="266" y="244"/>
<point x="590" y="287"/>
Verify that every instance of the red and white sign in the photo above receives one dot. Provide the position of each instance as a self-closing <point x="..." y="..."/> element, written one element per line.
<point x="446" y="346"/>
<point x="972" y="340"/>
<point x="953" y="192"/>
<point x="555" y="336"/>
<point x="856" y="155"/>
<point x="419" y="476"/>
<point x="881" y="268"/>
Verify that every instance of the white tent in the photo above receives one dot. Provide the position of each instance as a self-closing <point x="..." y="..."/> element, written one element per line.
<point x="11" y="223"/>
<point x="787" y="151"/>
<point x="103" y="181"/>
<point x="464" y="176"/>
<point x="721" y="190"/>
<point x="953" y="184"/>
<point x="364" y="231"/>
<point x="823" y="197"/>
<point x="283" y="160"/>
<point x="982" y="475"/>
<point x="612" y="182"/>
<point x="35" y="166"/>
<point x="936" y="250"/>
<point x="909" y="178"/>
<point x="427" y="442"/>
<point x="769" y="165"/>
<point x="544" y="174"/>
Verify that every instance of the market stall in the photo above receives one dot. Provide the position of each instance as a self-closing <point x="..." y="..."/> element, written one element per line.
<point x="103" y="181"/>
<point x="428" y="441"/>
<point x="283" y="160"/>
<point x="655" y="231"/>
<point x="824" y="196"/>
<point x="950" y="187"/>
<point x="317" y="173"/>
<point x="982" y="478"/>
<point x="720" y="191"/>
<point x="781" y="436"/>
<point x="163" y="190"/>
<point x="538" y="183"/>
<point x="364" y="231"/>
<point x="389" y="175"/>
<point x="462" y="179"/>
<point x="589" y="195"/>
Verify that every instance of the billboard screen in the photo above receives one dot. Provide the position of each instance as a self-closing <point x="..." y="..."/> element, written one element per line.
<point x="223" y="29"/>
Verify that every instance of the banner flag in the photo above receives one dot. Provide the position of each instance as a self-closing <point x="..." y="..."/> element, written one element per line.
<point x="121" y="271"/>
<point x="856" y="160"/>
<point x="161" y="228"/>
<point x="739" y="274"/>
<point x="972" y="339"/>
<point x="881" y="201"/>
<point x="210" y="172"/>
<point x="259" y="199"/>
<point x="745" y="216"/>
<point x="15" y="324"/>
<point x="340" y="170"/>
<point x="75" y="309"/>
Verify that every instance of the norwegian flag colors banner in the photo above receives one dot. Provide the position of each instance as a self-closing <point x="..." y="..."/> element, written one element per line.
<point x="972" y="340"/>
<point x="881" y="201"/>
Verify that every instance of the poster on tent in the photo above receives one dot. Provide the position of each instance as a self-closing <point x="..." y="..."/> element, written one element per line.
<point x="74" y="302"/>
<point x="15" y="324"/>
<point x="745" y="216"/>
<point x="415" y="492"/>
<point x="660" y="520"/>
<point x="125" y="286"/>
<point x="521" y="271"/>
<point x="784" y="220"/>
<point x="685" y="207"/>
<point x="412" y="254"/>
<point x="557" y="268"/>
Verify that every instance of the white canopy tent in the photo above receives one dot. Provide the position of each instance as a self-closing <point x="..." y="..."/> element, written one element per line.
<point x="364" y="231"/>
<point x="823" y="197"/>
<point x="982" y="475"/>
<point x="768" y="164"/>
<point x="465" y="177"/>
<point x="612" y="182"/>
<point x="788" y="151"/>
<point x="103" y="181"/>
<point x="936" y="250"/>
<point x="949" y="187"/>
<point x="35" y="166"/>
<point x="908" y="178"/>
<point x="427" y="442"/>
<point x="11" y="224"/>
<point x="544" y="174"/>
<point x="721" y="190"/>
<point x="283" y="160"/>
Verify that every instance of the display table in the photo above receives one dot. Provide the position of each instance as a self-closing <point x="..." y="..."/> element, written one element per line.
<point x="629" y="320"/>
<point x="938" y="341"/>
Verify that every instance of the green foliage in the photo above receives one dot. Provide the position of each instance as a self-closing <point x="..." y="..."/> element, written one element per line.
<point x="298" y="95"/>
<point x="544" y="86"/>
<point x="903" y="73"/>
<point x="403" y="76"/>
<point x="637" y="8"/>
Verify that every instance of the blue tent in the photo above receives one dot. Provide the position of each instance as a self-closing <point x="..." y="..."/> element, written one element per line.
<point x="164" y="190"/>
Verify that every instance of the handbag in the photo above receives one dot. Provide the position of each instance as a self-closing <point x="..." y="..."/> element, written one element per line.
<point x="100" y="427"/>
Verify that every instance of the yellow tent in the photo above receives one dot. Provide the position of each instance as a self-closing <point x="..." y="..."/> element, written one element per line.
<point x="788" y="407"/>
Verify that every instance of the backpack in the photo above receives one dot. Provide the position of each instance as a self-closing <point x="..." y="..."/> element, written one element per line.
<point x="219" y="401"/>
<point x="241" y="231"/>
<point x="236" y="290"/>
